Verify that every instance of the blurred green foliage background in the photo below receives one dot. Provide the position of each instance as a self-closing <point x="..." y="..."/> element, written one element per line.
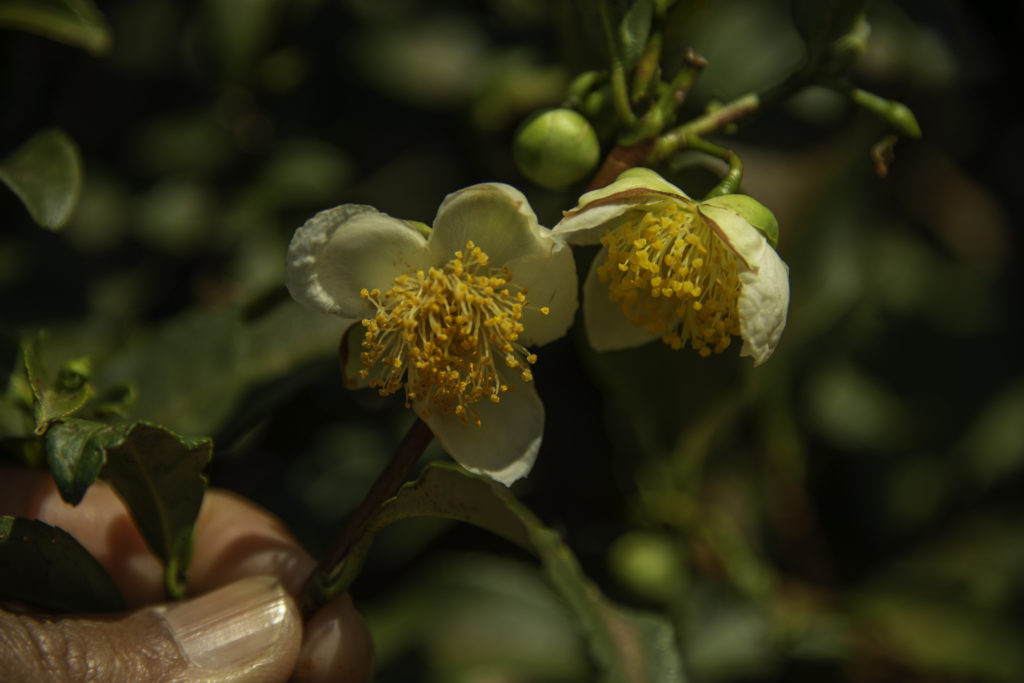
<point x="850" y="511"/>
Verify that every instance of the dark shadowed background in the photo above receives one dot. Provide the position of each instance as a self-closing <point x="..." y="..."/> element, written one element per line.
<point x="849" y="511"/>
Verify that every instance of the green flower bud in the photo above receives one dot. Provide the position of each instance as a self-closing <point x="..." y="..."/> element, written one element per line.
<point x="556" y="148"/>
<point x="753" y="211"/>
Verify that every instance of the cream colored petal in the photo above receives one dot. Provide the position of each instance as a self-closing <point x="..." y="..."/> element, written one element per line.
<point x="495" y="217"/>
<point x="505" y="445"/>
<point x="598" y="210"/>
<point x="606" y="324"/>
<point x="587" y="226"/>
<point x="550" y="281"/>
<point x="763" y="305"/>
<point x="339" y="251"/>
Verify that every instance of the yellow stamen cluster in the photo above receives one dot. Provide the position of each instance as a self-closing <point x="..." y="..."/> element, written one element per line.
<point x="442" y="333"/>
<point x="671" y="275"/>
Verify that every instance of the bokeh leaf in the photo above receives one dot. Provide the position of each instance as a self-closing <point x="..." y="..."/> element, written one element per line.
<point x="191" y="373"/>
<point x="940" y="636"/>
<point x="74" y="22"/>
<point x="44" y="566"/>
<point x="629" y="646"/>
<point x="46" y="174"/>
<point x="634" y="29"/>
<point x="160" y="477"/>
<point x="499" y="615"/>
<point x="820" y="22"/>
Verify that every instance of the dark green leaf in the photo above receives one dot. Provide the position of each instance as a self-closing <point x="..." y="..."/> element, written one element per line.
<point x="44" y="566"/>
<point x="160" y="477"/>
<point x="192" y="372"/>
<point x="46" y="174"/>
<point x="75" y="22"/>
<point x="58" y="398"/>
<point x="630" y="647"/>
<point x="635" y="29"/>
<point x="76" y="452"/>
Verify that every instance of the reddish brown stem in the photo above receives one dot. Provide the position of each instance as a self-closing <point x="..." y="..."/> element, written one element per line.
<point x="618" y="160"/>
<point x="409" y="451"/>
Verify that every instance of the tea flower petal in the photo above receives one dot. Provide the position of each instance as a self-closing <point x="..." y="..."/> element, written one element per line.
<point x="691" y="273"/>
<point x="633" y="189"/>
<point x="448" y="317"/>
<point x="498" y="219"/>
<point x="607" y="328"/>
<point x="505" y="445"/>
<point x="764" y="296"/>
<point x="341" y="250"/>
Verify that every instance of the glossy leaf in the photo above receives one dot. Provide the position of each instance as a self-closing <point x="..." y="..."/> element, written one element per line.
<point x="74" y="22"/>
<point x="76" y="452"/>
<point x="629" y="646"/>
<point x="160" y="477"/>
<point x="46" y="174"/>
<point x="44" y="566"/>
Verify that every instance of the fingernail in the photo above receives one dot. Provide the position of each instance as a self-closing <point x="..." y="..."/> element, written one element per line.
<point x="232" y="626"/>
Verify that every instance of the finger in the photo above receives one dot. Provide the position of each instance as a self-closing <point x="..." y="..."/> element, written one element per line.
<point x="336" y="647"/>
<point x="234" y="538"/>
<point x="246" y="631"/>
<point x="99" y="522"/>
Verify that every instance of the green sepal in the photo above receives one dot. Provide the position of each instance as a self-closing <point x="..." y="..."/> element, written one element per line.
<point x="633" y="182"/>
<point x="753" y="211"/>
<point x="421" y="227"/>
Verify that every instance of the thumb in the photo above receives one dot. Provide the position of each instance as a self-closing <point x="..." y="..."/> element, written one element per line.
<point x="249" y="630"/>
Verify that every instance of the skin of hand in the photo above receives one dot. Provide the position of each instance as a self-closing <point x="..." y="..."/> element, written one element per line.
<point x="239" y="623"/>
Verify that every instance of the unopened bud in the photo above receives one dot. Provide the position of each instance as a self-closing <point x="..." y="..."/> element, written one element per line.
<point x="556" y="148"/>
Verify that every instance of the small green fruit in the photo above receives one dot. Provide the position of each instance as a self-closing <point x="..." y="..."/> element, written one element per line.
<point x="556" y="148"/>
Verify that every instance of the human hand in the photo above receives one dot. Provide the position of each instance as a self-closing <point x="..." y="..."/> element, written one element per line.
<point x="242" y="625"/>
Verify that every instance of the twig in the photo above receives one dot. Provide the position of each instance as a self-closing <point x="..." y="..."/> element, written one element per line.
<point x="409" y="451"/>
